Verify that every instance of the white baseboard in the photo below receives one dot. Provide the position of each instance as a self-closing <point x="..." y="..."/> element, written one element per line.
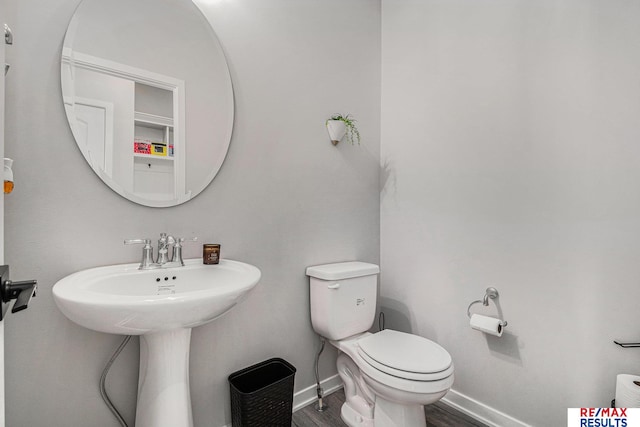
<point x="465" y="404"/>
<point x="481" y="412"/>
<point x="308" y="395"/>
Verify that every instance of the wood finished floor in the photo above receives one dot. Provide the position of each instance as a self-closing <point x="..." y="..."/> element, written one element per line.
<point x="438" y="415"/>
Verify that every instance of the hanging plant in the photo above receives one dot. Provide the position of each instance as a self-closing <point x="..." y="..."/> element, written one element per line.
<point x="340" y="126"/>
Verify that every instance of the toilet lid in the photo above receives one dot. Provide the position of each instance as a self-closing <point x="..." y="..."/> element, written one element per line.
<point x="405" y="352"/>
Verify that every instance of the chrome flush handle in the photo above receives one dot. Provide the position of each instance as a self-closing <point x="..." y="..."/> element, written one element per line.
<point x="8" y="35"/>
<point x="8" y="39"/>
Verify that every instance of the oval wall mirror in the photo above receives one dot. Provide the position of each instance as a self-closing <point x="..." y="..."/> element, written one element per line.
<point x="148" y="96"/>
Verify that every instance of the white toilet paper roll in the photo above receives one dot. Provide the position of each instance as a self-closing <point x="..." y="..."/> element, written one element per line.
<point x="627" y="391"/>
<point x="486" y="324"/>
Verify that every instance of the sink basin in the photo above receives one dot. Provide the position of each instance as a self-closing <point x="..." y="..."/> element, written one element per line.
<point x="120" y="299"/>
<point x="161" y="306"/>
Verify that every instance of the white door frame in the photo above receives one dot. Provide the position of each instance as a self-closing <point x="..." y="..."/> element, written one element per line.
<point x="2" y="108"/>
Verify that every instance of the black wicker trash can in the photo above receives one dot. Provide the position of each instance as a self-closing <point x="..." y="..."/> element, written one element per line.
<point x="262" y="394"/>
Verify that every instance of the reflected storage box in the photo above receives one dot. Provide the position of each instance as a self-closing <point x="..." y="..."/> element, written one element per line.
<point x="158" y="149"/>
<point x="141" y="147"/>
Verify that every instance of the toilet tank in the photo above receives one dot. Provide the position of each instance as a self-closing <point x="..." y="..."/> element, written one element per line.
<point x="343" y="298"/>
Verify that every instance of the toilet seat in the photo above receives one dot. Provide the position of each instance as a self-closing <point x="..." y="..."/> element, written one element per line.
<point x="405" y="356"/>
<point x="399" y="380"/>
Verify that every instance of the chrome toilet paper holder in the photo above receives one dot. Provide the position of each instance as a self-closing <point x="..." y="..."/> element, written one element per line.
<point x="490" y="293"/>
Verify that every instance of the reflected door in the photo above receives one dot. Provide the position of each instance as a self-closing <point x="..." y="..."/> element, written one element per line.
<point x="94" y="137"/>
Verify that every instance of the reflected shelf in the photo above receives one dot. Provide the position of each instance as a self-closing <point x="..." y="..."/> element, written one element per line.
<point x="152" y="156"/>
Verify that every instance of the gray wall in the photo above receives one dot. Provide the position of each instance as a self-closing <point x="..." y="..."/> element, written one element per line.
<point x="511" y="142"/>
<point x="284" y="199"/>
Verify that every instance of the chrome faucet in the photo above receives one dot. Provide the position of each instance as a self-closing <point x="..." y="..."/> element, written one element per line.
<point x="162" y="261"/>
<point x="147" y="252"/>
<point x="163" y="248"/>
<point x="177" y="250"/>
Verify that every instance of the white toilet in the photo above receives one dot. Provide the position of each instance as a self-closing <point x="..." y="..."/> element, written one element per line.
<point x="388" y="376"/>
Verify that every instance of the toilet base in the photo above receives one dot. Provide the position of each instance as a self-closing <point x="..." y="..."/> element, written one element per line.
<point x="387" y="414"/>
<point x="353" y="418"/>
<point x="370" y="403"/>
<point x="391" y="414"/>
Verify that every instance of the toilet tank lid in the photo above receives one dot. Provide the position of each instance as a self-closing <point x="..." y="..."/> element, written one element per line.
<point x="342" y="270"/>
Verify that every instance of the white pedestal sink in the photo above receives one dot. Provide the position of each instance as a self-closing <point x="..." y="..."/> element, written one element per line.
<point x="162" y="306"/>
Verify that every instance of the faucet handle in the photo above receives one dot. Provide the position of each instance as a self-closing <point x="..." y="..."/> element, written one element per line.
<point x="137" y="241"/>
<point x="177" y="249"/>
<point x="181" y="240"/>
<point x="147" y="251"/>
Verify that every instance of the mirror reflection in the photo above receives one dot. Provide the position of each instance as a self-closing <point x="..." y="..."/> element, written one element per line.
<point x="148" y="96"/>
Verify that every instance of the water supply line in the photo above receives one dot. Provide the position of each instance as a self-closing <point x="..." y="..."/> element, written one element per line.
<point x="320" y="406"/>
<point x="103" y="377"/>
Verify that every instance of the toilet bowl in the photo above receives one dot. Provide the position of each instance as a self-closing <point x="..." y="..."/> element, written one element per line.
<point x="388" y="376"/>
<point x="395" y="373"/>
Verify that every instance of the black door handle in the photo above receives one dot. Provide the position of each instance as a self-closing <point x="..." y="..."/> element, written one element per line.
<point x="22" y="292"/>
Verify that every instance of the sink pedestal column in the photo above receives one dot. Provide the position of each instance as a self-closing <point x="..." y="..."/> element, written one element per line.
<point x="163" y="387"/>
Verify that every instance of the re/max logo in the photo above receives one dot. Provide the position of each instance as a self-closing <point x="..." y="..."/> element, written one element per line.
<point x="603" y="417"/>
<point x="603" y="412"/>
